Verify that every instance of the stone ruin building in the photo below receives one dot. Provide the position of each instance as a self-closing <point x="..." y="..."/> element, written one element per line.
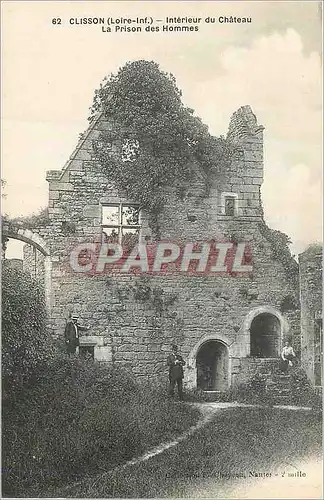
<point x="225" y="326"/>
<point x="310" y="263"/>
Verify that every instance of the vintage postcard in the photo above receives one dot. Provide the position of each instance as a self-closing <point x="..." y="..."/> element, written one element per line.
<point x="162" y="249"/>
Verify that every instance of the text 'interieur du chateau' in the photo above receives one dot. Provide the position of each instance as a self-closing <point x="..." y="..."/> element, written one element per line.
<point x="150" y="25"/>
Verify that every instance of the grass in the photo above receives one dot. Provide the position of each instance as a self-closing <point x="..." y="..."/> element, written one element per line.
<point x="77" y="420"/>
<point x="237" y="440"/>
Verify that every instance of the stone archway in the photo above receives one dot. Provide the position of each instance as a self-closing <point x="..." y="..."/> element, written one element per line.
<point x="209" y="349"/>
<point x="265" y="336"/>
<point x="262" y="332"/>
<point x="212" y="366"/>
<point x="36" y="241"/>
<point x="25" y="235"/>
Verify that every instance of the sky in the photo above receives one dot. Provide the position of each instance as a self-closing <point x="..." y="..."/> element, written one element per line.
<point x="50" y="72"/>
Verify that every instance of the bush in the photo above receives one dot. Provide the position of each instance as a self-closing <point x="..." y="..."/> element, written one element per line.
<point x="254" y="391"/>
<point x="196" y="395"/>
<point x="36" y="220"/>
<point x="80" y="418"/>
<point x="66" y="417"/>
<point x="302" y="392"/>
<point x="26" y="345"/>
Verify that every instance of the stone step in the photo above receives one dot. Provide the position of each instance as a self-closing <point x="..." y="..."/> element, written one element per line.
<point x="277" y="390"/>
<point x="261" y="361"/>
<point x="277" y="377"/>
<point x="276" y="383"/>
<point x="281" y="381"/>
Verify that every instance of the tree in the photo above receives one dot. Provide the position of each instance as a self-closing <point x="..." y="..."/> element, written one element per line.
<point x="36" y="220"/>
<point x="26" y="345"/>
<point x="155" y="140"/>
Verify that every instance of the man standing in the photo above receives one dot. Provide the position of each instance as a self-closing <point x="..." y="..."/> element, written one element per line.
<point x="71" y="334"/>
<point x="175" y="363"/>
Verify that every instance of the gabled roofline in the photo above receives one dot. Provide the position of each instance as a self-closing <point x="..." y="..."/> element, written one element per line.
<point x="85" y="136"/>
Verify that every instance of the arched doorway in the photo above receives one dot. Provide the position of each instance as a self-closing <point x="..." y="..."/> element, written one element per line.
<point x="212" y="366"/>
<point x="11" y="231"/>
<point x="265" y="332"/>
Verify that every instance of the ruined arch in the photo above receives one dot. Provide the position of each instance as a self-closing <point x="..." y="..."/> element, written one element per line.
<point x="36" y="241"/>
<point x="27" y="236"/>
<point x="276" y="329"/>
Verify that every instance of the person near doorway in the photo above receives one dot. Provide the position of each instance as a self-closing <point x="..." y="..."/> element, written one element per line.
<point x="175" y="363"/>
<point x="208" y="378"/>
<point x="72" y="334"/>
<point x="287" y="358"/>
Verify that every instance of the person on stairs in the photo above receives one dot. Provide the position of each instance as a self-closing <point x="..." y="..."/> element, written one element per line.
<point x="287" y="358"/>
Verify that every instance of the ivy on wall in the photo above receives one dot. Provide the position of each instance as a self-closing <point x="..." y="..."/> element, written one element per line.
<point x="154" y="141"/>
<point x="156" y="296"/>
<point x="280" y="251"/>
<point x="159" y="307"/>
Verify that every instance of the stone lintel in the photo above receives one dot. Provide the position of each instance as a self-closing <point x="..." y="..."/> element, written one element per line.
<point x="61" y="186"/>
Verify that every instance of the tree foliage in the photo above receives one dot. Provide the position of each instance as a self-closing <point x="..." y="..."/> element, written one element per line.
<point x="155" y="140"/>
<point x="36" y="220"/>
<point x="314" y="249"/>
<point x="25" y="343"/>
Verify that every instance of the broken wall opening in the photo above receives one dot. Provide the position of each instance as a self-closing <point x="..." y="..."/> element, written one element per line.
<point x="212" y="366"/>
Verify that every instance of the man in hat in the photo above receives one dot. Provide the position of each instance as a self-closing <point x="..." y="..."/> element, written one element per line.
<point x="71" y="334"/>
<point x="175" y="363"/>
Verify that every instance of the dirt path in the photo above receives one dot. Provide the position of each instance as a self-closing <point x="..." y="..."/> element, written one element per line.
<point x="131" y="470"/>
<point x="207" y="411"/>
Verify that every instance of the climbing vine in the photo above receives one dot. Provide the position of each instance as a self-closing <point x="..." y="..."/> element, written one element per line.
<point x="280" y="251"/>
<point x="154" y="141"/>
<point x="156" y="296"/>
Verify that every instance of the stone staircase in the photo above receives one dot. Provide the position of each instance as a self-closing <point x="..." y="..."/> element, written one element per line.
<point x="259" y="381"/>
<point x="274" y="385"/>
<point x="267" y="381"/>
<point x="278" y="387"/>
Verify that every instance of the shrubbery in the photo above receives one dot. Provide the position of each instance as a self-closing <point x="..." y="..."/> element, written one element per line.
<point x="65" y="417"/>
<point x="255" y="391"/>
<point x="302" y="392"/>
<point x="26" y="345"/>
<point x="80" y="419"/>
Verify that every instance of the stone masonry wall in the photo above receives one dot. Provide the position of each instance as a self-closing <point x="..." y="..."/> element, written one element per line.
<point x="310" y="263"/>
<point x="34" y="263"/>
<point x="136" y="318"/>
